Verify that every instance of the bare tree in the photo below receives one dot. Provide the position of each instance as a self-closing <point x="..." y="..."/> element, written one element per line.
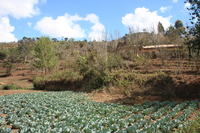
<point x="163" y="54"/>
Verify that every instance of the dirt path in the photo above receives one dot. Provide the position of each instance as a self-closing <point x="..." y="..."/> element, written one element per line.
<point x="9" y="92"/>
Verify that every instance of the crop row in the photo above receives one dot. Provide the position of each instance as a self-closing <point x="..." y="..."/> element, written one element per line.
<point x="74" y="112"/>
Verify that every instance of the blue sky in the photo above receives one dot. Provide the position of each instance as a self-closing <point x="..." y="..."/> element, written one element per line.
<point x="90" y="19"/>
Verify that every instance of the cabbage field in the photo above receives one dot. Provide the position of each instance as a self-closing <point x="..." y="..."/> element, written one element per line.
<point x="70" y="112"/>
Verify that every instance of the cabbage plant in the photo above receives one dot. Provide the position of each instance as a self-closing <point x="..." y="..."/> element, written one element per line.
<point x="70" y="112"/>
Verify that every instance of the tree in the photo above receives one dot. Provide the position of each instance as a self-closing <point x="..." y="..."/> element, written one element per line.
<point x="171" y="33"/>
<point x="179" y="27"/>
<point x="193" y="34"/>
<point x="54" y="39"/>
<point x="171" y="30"/>
<point x="11" y="55"/>
<point x="8" y="65"/>
<point x="178" y="24"/>
<point x="160" y="28"/>
<point x="45" y="54"/>
<point x="66" y="38"/>
<point x="3" y="55"/>
<point x="26" y="46"/>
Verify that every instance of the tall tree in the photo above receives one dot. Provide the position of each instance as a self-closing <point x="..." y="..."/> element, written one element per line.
<point x="171" y="34"/>
<point x="179" y="27"/>
<point x="160" y="28"/>
<point x="193" y="34"/>
<point x="26" y="46"/>
<point x="11" y="55"/>
<point x="45" y="54"/>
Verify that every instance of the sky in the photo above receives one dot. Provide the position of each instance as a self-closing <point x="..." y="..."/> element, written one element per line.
<point x="86" y="19"/>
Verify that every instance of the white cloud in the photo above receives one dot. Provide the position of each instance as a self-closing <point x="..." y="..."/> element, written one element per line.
<point x="19" y="8"/>
<point x="61" y="26"/>
<point x="67" y="26"/>
<point x="164" y="9"/>
<point x="187" y="5"/>
<point x="175" y="1"/>
<point x="29" y="24"/>
<point x="97" y="28"/>
<point x="144" y="19"/>
<point x="5" y="30"/>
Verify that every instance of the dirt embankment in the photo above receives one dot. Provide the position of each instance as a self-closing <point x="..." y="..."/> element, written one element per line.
<point x="187" y="87"/>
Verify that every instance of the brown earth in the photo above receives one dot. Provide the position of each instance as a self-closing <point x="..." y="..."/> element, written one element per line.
<point x="10" y="92"/>
<point x="187" y="87"/>
<point x="186" y="84"/>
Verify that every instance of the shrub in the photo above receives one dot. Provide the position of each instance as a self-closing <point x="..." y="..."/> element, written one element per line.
<point x="11" y="87"/>
<point x="39" y="83"/>
<point x="114" y="61"/>
<point x="63" y="77"/>
<point x="8" y="65"/>
<point x="143" y="60"/>
<point x="3" y="55"/>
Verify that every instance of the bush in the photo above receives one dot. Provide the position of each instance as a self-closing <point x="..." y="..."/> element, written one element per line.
<point x="3" y="55"/>
<point x="63" y="77"/>
<point x="160" y="80"/>
<point x="39" y="83"/>
<point x="95" y="68"/>
<point x="114" y="61"/>
<point x="8" y="65"/>
<point x="11" y="87"/>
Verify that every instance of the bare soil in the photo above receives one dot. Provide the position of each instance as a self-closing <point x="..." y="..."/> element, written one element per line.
<point x="10" y="92"/>
<point x="187" y="84"/>
<point x="187" y="87"/>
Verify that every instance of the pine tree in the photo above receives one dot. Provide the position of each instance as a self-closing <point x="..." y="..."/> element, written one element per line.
<point x="160" y="28"/>
<point x="45" y="54"/>
<point x="193" y="34"/>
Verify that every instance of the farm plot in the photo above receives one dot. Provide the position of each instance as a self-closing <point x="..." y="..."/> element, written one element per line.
<point x="70" y="112"/>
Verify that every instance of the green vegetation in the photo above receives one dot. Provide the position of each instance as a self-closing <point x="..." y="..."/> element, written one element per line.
<point x="193" y="32"/>
<point x="64" y="77"/>
<point x="192" y="126"/>
<point x="157" y="83"/>
<point x="26" y="47"/>
<point x="121" y="63"/>
<point x="8" y="65"/>
<point x="73" y="112"/>
<point x="2" y="55"/>
<point x="11" y="87"/>
<point x="45" y="54"/>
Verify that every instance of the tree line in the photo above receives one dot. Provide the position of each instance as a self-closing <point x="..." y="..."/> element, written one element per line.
<point x="44" y="53"/>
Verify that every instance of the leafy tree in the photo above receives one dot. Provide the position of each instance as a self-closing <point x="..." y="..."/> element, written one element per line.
<point x="160" y="28"/>
<point x="45" y="54"/>
<point x="194" y="31"/>
<point x="54" y="39"/>
<point x="179" y="27"/>
<point x="66" y="38"/>
<point x="178" y="24"/>
<point x="171" y="33"/>
<point x="26" y="46"/>
<point x="11" y="55"/>
<point x="171" y="30"/>
<point x="8" y="65"/>
<point x="3" y="55"/>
